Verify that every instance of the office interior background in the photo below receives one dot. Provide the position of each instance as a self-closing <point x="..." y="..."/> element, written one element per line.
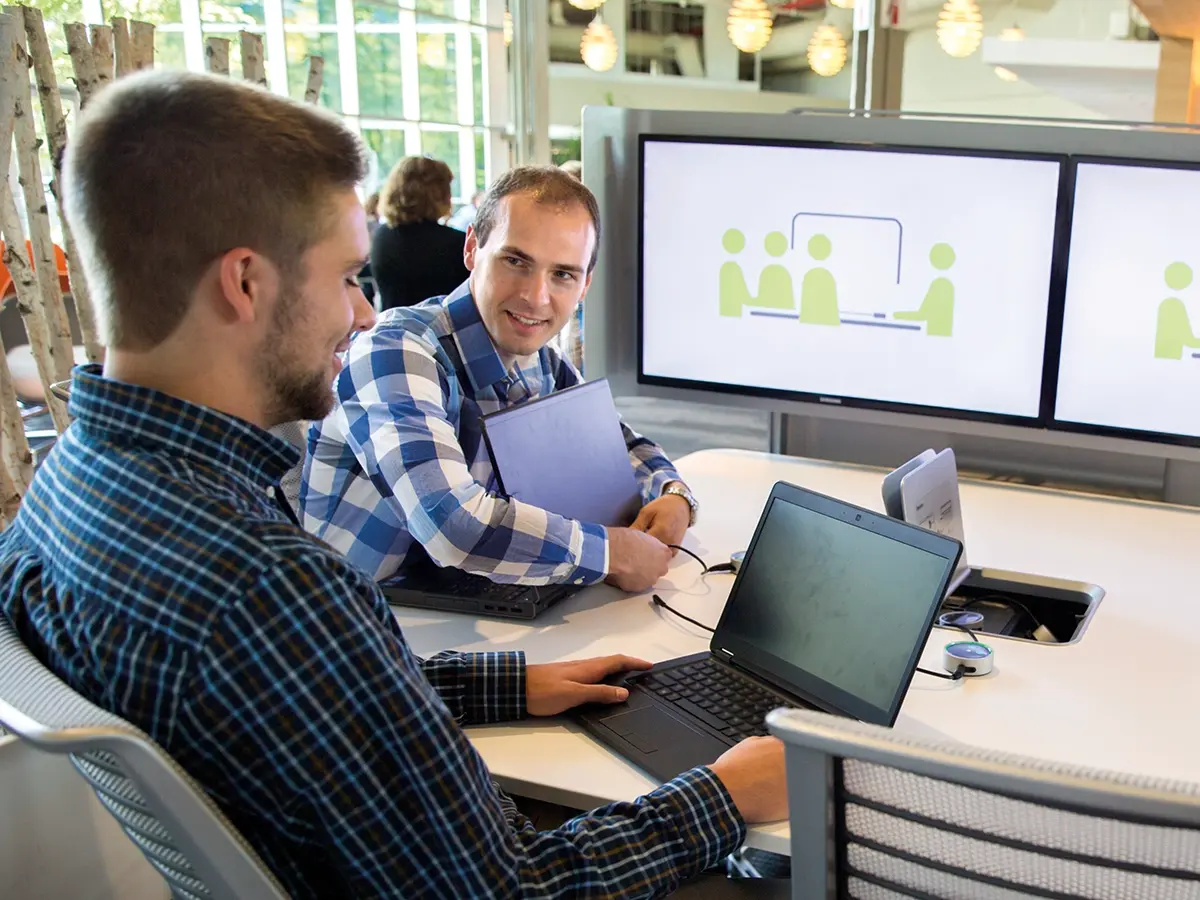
<point x="483" y="85"/>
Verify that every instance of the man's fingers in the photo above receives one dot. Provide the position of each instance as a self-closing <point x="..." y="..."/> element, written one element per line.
<point x="643" y="522"/>
<point x="601" y="693"/>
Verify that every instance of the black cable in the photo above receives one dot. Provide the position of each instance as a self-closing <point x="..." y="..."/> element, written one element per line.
<point x="956" y="675"/>
<point x="703" y="565"/>
<point x="1006" y="601"/>
<point x="659" y="601"/>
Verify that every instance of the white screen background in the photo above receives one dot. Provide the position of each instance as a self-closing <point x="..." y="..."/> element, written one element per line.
<point x="1129" y="224"/>
<point x="997" y="214"/>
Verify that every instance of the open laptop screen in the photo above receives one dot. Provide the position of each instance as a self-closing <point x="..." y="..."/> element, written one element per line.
<point x="835" y="603"/>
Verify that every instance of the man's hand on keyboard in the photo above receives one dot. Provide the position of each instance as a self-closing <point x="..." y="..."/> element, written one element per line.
<point x="552" y="688"/>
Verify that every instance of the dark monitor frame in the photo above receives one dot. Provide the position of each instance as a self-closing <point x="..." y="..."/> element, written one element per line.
<point x="808" y="687"/>
<point x="1054" y="306"/>
<point x="1052" y="421"/>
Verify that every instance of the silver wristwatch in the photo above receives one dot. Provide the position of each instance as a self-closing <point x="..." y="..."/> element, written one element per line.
<point x="679" y="489"/>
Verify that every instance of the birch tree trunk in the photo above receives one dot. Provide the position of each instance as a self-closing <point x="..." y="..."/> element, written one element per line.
<point x="102" y="54"/>
<point x="56" y="135"/>
<point x="123" y="47"/>
<point x="82" y="61"/>
<point x="216" y="54"/>
<point x="10" y="497"/>
<point x="253" y="67"/>
<point x="142" y="42"/>
<point x="15" y="458"/>
<point x="29" y="301"/>
<point x="316" y="74"/>
<point x="15" y="64"/>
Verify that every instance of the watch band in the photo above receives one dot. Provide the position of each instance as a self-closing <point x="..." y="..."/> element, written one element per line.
<point x="678" y="489"/>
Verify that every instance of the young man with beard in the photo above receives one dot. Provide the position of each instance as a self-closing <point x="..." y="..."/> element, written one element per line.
<point x="150" y="569"/>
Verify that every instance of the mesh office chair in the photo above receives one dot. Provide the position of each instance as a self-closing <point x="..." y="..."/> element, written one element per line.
<point x="170" y="819"/>
<point x="296" y="434"/>
<point x="877" y="815"/>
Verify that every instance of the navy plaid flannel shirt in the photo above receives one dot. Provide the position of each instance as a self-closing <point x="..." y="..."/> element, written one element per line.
<point x="148" y="568"/>
<point x="402" y="462"/>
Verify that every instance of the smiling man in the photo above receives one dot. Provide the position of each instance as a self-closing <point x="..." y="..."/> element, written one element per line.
<point x="400" y="470"/>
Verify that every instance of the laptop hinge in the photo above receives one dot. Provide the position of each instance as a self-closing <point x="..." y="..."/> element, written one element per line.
<point x="723" y="653"/>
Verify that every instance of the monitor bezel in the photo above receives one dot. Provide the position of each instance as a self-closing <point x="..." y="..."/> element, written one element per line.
<point x="1053" y="307"/>
<point x="1054" y="423"/>
<point x="805" y="685"/>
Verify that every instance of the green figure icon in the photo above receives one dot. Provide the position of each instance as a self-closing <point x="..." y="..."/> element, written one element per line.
<point x="733" y="291"/>
<point x="818" y="291"/>
<point x="937" y="309"/>
<point x="774" y="285"/>
<point x="1174" y="331"/>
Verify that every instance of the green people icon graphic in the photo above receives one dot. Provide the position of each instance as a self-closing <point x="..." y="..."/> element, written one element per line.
<point x="818" y="291"/>
<point x="937" y="309"/>
<point x="774" y="284"/>
<point x="1174" y="331"/>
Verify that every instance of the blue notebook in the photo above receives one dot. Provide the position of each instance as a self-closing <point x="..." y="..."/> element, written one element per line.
<point x="565" y="452"/>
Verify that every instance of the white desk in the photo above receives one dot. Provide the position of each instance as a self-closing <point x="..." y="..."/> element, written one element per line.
<point x="1123" y="698"/>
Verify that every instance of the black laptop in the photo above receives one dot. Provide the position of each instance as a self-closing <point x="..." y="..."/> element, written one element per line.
<point x="563" y="452"/>
<point x="830" y="610"/>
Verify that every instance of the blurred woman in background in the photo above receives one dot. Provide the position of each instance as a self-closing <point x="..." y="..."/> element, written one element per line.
<point x="413" y="256"/>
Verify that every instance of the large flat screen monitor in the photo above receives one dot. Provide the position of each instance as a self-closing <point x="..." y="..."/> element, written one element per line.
<point x="1130" y="356"/>
<point x="903" y="278"/>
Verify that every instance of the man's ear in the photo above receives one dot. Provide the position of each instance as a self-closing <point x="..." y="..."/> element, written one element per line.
<point x="248" y="284"/>
<point x="470" y="248"/>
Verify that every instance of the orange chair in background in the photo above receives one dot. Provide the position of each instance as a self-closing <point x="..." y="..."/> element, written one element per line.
<point x="7" y="286"/>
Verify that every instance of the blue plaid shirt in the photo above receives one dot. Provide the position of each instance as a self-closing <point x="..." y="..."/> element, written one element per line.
<point x="401" y="462"/>
<point x="149" y="569"/>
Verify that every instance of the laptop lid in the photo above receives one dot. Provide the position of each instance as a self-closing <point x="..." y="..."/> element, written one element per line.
<point x="929" y="498"/>
<point x="565" y="452"/>
<point x="834" y="603"/>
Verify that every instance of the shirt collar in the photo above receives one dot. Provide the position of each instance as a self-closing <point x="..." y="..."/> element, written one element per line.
<point x="129" y="414"/>
<point x="479" y="355"/>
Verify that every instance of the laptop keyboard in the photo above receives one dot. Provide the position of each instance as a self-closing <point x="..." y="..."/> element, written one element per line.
<point x="717" y="695"/>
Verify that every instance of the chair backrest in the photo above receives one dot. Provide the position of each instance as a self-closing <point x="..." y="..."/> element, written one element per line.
<point x="296" y="434"/>
<point x="877" y="814"/>
<point x="171" y="820"/>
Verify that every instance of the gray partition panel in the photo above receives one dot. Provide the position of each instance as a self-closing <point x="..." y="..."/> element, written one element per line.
<point x="610" y="155"/>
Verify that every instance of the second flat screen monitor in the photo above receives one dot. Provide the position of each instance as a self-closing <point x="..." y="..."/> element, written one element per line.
<point x="1130" y="356"/>
<point x="886" y="276"/>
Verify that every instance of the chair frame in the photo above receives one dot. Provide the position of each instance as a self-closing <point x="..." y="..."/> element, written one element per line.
<point x="175" y="825"/>
<point x="816" y="744"/>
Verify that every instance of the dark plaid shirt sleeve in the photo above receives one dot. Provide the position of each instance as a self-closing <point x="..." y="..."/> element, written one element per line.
<point x="319" y="712"/>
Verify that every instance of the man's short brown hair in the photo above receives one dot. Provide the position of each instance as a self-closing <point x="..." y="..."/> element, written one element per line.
<point x="417" y="190"/>
<point x="549" y="185"/>
<point x="167" y="171"/>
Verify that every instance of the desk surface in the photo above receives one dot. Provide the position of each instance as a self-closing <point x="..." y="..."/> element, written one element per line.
<point x="1122" y="698"/>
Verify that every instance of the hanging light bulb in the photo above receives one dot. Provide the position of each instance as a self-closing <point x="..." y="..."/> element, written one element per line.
<point x="508" y="28"/>
<point x="599" y="46"/>
<point x="827" y="51"/>
<point x="960" y="27"/>
<point x="749" y="25"/>
<point x="1012" y="33"/>
<point x="843" y="4"/>
<point x="586" y="4"/>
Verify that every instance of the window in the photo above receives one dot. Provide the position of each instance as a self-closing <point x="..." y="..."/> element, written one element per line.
<point x="410" y="75"/>
<point x="380" y="79"/>
<point x="437" y="77"/>
<point x="310" y="12"/>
